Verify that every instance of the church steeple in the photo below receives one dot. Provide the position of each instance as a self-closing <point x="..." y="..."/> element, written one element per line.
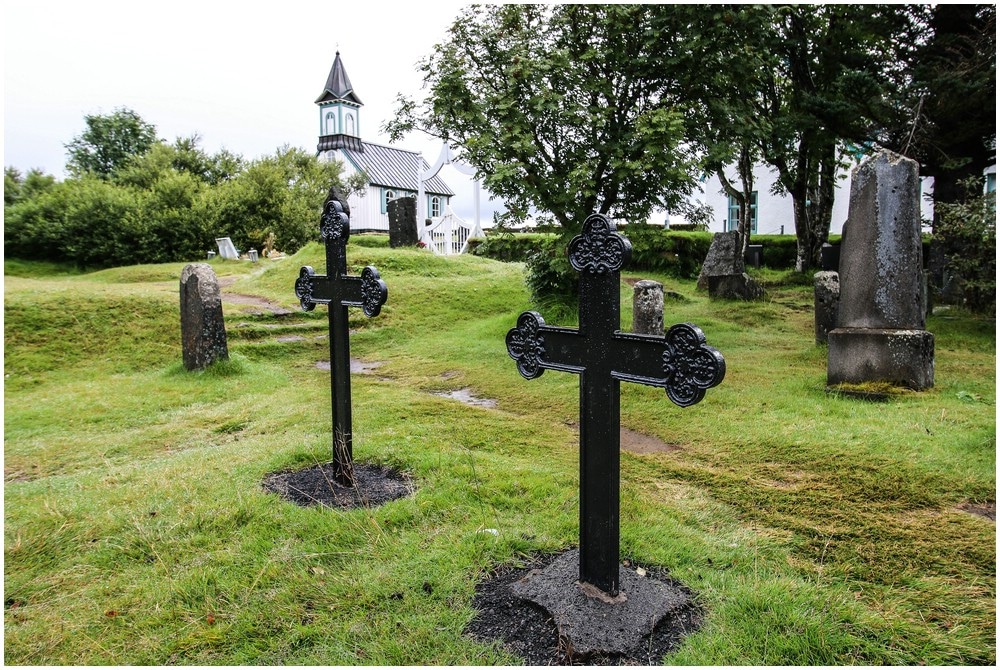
<point x="339" y="112"/>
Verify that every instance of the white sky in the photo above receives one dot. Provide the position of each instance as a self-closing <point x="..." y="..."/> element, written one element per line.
<point x="244" y="76"/>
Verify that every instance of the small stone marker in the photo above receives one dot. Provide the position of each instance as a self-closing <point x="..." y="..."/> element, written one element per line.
<point x="826" y="296"/>
<point x="402" y="222"/>
<point x="603" y="356"/>
<point x="340" y="291"/>
<point x="203" y="331"/>
<point x="647" y="307"/>
<point x="880" y="332"/>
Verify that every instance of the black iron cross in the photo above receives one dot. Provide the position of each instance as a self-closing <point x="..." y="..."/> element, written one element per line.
<point x="603" y="356"/>
<point x="340" y="291"/>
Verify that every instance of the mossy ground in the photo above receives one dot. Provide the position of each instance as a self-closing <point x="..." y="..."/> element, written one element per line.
<point x="815" y="528"/>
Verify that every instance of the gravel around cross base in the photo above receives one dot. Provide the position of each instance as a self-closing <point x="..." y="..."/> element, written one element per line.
<point x="375" y="485"/>
<point x="526" y="630"/>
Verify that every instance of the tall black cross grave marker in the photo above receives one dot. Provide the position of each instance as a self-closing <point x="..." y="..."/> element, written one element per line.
<point x="340" y="291"/>
<point x="603" y="356"/>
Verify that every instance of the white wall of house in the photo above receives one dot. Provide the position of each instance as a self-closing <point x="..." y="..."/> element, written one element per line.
<point x="774" y="212"/>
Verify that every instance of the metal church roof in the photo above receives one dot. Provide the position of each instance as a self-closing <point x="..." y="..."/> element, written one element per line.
<point x="338" y="85"/>
<point x="395" y="168"/>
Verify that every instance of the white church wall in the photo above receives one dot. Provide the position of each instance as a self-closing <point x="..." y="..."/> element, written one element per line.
<point x="775" y="215"/>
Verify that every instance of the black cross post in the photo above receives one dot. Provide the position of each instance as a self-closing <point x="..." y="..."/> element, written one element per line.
<point x="603" y="356"/>
<point x="340" y="291"/>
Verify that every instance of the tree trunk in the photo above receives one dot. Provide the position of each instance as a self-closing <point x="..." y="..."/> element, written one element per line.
<point x="812" y="192"/>
<point x="743" y="197"/>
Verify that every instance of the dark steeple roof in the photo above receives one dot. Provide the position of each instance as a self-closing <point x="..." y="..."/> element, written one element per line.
<point x="338" y="85"/>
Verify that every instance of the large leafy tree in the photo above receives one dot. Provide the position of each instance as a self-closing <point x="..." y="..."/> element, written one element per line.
<point x="837" y="72"/>
<point x="551" y="105"/>
<point x="713" y="57"/>
<point x="948" y="120"/>
<point x="109" y="142"/>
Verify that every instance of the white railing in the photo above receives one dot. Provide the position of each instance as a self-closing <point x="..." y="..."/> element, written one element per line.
<point x="448" y="235"/>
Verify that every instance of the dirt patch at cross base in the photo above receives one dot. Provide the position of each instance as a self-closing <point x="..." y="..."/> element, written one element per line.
<point x="987" y="510"/>
<point x="526" y="630"/>
<point x="374" y="485"/>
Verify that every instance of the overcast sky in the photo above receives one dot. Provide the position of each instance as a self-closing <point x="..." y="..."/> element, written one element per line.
<point x="244" y="76"/>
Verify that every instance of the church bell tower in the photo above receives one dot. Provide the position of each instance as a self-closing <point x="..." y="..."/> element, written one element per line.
<point x="339" y="112"/>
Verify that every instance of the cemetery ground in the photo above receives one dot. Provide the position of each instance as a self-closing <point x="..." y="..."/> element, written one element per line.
<point x="813" y="528"/>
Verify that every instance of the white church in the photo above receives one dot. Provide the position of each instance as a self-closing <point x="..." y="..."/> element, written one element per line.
<point x="392" y="173"/>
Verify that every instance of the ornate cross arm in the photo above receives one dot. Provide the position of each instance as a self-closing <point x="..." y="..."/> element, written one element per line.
<point x="334" y="224"/>
<point x="692" y="367"/>
<point x="679" y="362"/>
<point x="599" y="249"/>
<point x="368" y="291"/>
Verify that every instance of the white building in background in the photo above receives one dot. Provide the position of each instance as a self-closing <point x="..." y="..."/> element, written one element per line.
<point x="392" y="173"/>
<point x="772" y="214"/>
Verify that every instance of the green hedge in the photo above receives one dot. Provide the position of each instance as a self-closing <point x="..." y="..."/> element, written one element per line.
<point x="673" y="252"/>
<point x="677" y="253"/>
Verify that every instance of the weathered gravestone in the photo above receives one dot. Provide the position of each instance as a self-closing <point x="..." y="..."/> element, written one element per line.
<point x="880" y="332"/>
<point x="723" y="272"/>
<point x="340" y="291"/>
<point x="203" y="331"/>
<point x="722" y="259"/>
<point x="826" y="298"/>
<point x="603" y="356"/>
<point x="647" y="307"/>
<point x="402" y="222"/>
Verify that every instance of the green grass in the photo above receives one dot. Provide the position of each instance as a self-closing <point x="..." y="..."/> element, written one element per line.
<point x="814" y="527"/>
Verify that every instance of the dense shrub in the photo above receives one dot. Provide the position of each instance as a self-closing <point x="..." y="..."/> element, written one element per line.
<point x="168" y="204"/>
<point x="677" y="253"/>
<point x="551" y="279"/>
<point x="967" y="233"/>
<point x="509" y="248"/>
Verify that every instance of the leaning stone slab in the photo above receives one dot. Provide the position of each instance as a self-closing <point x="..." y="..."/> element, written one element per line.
<point x="722" y="259"/>
<point x="203" y="332"/>
<point x="589" y="620"/>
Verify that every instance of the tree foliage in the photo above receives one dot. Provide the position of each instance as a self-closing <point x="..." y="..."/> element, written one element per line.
<point x="109" y="142"/>
<point x="550" y="106"/>
<point x="546" y="103"/>
<point x="966" y="231"/>
<point x="947" y="118"/>
<point x="168" y="203"/>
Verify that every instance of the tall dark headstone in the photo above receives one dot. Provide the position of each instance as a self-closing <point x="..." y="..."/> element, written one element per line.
<point x="340" y="291"/>
<point x="604" y="356"/>
<point x="402" y="222"/>
<point x="880" y="332"/>
<point x="203" y="331"/>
